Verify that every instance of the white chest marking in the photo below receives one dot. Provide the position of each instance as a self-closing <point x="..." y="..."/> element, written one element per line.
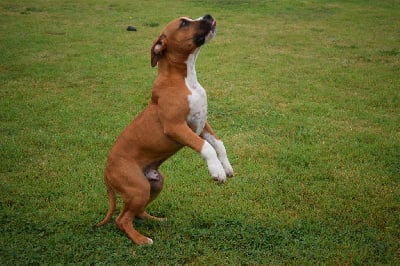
<point x="197" y="116"/>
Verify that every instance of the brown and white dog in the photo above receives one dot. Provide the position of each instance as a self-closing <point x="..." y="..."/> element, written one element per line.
<point x="176" y="116"/>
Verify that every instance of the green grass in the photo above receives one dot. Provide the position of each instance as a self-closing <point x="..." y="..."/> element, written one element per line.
<point x="305" y="94"/>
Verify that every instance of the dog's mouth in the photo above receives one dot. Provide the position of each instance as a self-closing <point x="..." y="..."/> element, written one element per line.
<point x="213" y="27"/>
<point x="213" y="30"/>
<point x="210" y="29"/>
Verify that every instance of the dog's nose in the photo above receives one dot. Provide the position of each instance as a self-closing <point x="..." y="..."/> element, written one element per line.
<point x="208" y="18"/>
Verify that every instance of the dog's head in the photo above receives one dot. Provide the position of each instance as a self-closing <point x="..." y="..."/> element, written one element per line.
<point x="181" y="37"/>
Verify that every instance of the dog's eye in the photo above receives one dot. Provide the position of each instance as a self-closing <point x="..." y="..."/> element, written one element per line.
<point x="184" y="23"/>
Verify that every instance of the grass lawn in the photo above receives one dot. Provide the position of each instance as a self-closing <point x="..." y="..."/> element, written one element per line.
<point x="305" y="94"/>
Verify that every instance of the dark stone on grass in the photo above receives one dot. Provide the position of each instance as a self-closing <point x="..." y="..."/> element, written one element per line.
<point x="131" y="28"/>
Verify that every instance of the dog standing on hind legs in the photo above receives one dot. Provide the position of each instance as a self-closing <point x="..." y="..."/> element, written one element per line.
<point x="176" y="116"/>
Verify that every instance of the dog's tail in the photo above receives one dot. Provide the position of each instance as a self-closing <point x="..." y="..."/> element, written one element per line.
<point x="112" y="201"/>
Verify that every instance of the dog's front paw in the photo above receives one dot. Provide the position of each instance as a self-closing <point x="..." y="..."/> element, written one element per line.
<point x="217" y="172"/>
<point x="229" y="172"/>
<point x="215" y="167"/>
<point x="228" y="168"/>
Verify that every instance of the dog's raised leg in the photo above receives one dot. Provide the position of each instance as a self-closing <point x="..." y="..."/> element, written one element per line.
<point x="209" y="135"/>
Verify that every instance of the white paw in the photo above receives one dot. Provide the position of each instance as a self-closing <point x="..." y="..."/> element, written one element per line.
<point x="228" y="170"/>
<point x="217" y="172"/>
<point x="227" y="167"/>
<point x="215" y="167"/>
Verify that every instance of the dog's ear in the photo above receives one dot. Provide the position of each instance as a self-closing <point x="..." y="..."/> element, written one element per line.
<point x="157" y="49"/>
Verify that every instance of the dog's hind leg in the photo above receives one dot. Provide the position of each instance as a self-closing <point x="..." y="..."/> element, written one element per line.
<point x="156" y="180"/>
<point x="124" y="222"/>
<point x="135" y="202"/>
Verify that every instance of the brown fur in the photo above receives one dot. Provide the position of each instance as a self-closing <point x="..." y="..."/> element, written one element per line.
<point x="156" y="134"/>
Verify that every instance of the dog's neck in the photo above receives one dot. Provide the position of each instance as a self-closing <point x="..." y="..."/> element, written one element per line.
<point x="191" y="76"/>
<point x="179" y="66"/>
<point x="197" y="99"/>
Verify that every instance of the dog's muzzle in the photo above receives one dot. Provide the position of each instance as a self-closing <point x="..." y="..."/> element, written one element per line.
<point x="209" y="26"/>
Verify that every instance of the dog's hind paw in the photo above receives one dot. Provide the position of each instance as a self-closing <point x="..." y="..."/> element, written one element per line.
<point x="144" y="241"/>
